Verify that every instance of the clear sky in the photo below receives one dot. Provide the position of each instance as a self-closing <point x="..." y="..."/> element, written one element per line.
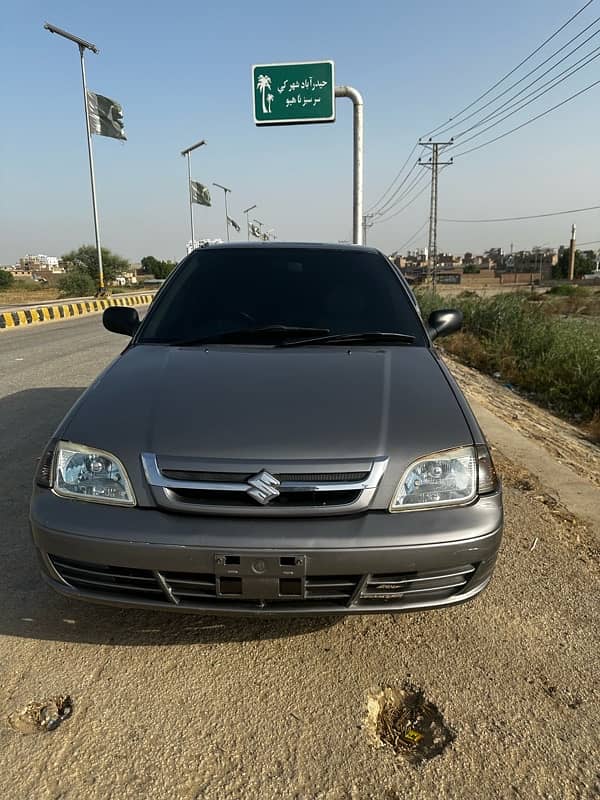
<point x="181" y="71"/>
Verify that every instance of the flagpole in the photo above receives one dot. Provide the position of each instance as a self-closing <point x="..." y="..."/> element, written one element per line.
<point x="92" y="176"/>
<point x="83" y="45"/>
<point x="190" y="194"/>
<point x="247" y="212"/>
<point x="187" y="152"/>
<point x="225" y="190"/>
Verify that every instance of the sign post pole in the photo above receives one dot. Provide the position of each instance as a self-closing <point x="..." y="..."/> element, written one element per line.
<point x="357" y="189"/>
<point x="305" y="92"/>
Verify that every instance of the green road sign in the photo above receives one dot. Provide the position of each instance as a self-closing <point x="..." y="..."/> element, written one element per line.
<point x="285" y="94"/>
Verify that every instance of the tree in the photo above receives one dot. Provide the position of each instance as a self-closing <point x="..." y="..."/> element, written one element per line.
<point x="6" y="279"/>
<point x="585" y="261"/>
<point x="76" y="283"/>
<point x="149" y="264"/>
<point x="160" y="269"/>
<point x="85" y="259"/>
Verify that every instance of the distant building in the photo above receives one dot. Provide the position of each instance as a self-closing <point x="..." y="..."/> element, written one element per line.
<point x="43" y="262"/>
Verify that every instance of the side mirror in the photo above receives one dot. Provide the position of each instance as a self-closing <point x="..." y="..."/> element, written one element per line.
<point x="121" y="319"/>
<point x="444" y="321"/>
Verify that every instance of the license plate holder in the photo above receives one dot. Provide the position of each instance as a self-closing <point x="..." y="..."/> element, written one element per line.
<point x="260" y="576"/>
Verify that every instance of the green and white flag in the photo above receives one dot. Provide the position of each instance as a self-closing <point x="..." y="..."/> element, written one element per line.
<point x="233" y="224"/>
<point x="105" y="116"/>
<point x="255" y="230"/>
<point x="200" y="194"/>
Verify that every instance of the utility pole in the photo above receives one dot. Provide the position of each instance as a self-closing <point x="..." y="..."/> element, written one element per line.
<point x="434" y="163"/>
<point x="572" y="254"/>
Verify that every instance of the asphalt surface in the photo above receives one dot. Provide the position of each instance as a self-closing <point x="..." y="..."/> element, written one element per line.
<point x="169" y="706"/>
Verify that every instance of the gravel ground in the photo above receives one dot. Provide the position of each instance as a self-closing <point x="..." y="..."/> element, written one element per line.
<point x="193" y="707"/>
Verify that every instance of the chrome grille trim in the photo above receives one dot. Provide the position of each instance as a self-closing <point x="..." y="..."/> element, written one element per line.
<point x="165" y="490"/>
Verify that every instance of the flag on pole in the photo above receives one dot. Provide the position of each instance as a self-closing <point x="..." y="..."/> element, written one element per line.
<point x="105" y="116"/>
<point x="233" y="224"/>
<point x="255" y="230"/>
<point x="200" y="194"/>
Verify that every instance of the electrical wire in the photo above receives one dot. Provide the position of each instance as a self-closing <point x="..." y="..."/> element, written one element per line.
<point x="400" y="210"/>
<point x="509" y="104"/>
<point x="414" y="236"/>
<point x="410" y="202"/>
<point x="531" y="72"/>
<point x="524" y="102"/>
<point x="394" y="200"/>
<point x="512" y="71"/>
<point x="528" y="216"/>
<point x="400" y="171"/>
<point x="529" y="121"/>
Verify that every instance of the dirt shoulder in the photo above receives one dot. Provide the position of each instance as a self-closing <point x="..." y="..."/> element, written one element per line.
<point x="564" y="461"/>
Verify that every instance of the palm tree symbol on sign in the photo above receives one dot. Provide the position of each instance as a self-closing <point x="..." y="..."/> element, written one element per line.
<point x="263" y="84"/>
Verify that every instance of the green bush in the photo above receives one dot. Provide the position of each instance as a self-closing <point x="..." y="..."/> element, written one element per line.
<point x="7" y="280"/>
<point x="557" y="360"/>
<point x="76" y="283"/>
<point x="568" y="290"/>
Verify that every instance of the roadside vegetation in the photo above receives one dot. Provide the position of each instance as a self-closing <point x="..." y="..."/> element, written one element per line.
<point x="530" y="345"/>
<point x="80" y="278"/>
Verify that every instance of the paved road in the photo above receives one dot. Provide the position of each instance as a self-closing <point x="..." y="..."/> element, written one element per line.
<point x="182" y="707"/>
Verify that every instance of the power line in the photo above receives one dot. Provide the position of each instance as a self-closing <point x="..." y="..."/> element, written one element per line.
<point x="512" y="71"/>
<point x="531" y="72"/>
<point x="508" y="104"/>
<point x="414" y="236"/>
<point x="400" y="171"/>
<point x="393" y="201"/>
<point x="529" y="121"/>
<point x="529" y="216"/>
<point x="410" y="202"/>
<point x="400" y="210"/>
<point x="524" y="102"/>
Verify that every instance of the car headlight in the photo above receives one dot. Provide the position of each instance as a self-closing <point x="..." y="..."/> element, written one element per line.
<point x="452" y="477"/>
<point x="85" y="473"/>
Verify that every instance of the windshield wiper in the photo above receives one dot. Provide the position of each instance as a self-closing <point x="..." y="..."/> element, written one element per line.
<point x="362" y="338"/>
<point x="249" y="334"/>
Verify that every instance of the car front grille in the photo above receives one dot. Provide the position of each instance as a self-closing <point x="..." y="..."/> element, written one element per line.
<point x="196" y="486"/>
<point x="209" y="591"/>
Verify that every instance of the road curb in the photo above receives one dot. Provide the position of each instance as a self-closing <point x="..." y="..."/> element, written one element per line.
<point x="34" y="316"/>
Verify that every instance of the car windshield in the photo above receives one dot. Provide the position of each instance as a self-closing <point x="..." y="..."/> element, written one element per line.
<point x="295" y="291"/>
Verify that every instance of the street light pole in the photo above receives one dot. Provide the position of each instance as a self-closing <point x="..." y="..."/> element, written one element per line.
<point x="186" y="153"/>
<point x="225" y="190"/>
<point x="83" y="46"/>
<point x="246" y="211"/>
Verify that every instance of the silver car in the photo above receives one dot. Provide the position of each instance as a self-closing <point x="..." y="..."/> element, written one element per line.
<point x="279" y="436"/>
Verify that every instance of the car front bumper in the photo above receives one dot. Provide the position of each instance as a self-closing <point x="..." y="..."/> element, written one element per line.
<point x="370" y="562"/>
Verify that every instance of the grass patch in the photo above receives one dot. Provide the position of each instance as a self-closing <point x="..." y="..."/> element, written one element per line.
<point x="556" y="360"/>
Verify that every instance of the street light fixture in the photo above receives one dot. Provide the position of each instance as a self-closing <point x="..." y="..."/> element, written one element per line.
<point x="225" y="190"/>
<point x="186" y="153"/>
<point x="246" y="211"/>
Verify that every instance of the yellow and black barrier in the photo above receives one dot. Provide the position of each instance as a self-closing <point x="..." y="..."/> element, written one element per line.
<point x="57" y="311"/>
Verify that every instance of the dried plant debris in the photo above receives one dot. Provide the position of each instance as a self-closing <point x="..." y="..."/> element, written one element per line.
<point x="406" y="721"/>
<point x="41" y="717"/>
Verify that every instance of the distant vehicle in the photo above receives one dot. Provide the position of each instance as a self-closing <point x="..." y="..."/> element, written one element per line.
<point x="278" y="437"/>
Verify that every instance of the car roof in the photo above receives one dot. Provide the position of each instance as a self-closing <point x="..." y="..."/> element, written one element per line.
<point x="287" y="245"/>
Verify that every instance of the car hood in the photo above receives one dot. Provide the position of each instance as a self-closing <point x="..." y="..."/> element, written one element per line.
<point x="240" y="402"/>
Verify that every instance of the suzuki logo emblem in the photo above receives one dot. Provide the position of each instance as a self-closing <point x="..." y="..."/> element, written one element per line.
<point x="263" y="487"/>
